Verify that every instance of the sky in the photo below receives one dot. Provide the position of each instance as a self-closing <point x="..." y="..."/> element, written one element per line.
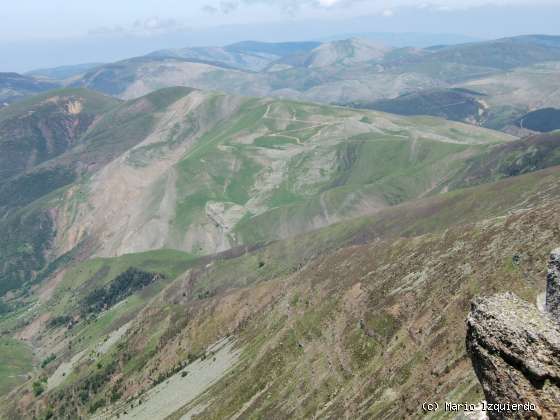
<point x="47" y="33"/>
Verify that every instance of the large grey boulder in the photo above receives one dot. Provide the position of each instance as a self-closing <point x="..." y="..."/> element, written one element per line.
<point x="515" y="352"/>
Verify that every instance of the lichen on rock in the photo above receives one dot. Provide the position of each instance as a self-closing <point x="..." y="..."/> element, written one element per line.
<point x="515" y="352"/>
<point x="553" y="285"/>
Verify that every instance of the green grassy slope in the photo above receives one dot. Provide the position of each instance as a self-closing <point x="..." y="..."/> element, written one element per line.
<point x="65" y="304"/>
<point x="16" y="362"/>
<point x="82" y="279"/>
<point x="212" y="166"/>
<point x="373" y="330"/>
<point x="369" y="310"/>
<point x="202" y="172"/>
<point x="408" y="220"/>
<point x="298" y="173"/>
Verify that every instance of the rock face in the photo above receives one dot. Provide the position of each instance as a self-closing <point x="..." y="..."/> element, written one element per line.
<point x="553" y="285"/>
<point x="515" y="351"/>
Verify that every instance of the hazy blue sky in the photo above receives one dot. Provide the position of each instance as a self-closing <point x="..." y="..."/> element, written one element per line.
<point x="37" y="33"/>
<point x="26" y="19"/>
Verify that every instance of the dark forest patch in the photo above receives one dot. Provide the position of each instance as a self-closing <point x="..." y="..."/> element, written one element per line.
<point x="123" y="286"/>
<point x="542" y="120"/>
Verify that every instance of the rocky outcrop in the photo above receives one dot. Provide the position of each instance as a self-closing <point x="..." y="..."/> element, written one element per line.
<point x="515" y="351"/>
<point x="553" y="285"/>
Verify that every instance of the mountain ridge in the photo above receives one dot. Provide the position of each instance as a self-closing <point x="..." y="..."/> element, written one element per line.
<point x="14" y="86"/>
<point x="507" y="72"/>
<point x="212" y="237"/>
<point x="203" y="172"/>
<point x="311" y="271"/>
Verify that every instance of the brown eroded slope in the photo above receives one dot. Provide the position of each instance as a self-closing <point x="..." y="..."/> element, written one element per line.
<point x="363" y="318"/>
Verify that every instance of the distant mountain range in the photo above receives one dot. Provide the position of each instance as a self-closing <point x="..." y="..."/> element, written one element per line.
<point x="406" y="39"/>
<point x="15" y="86"/>
<point x="248" y="55"/>
<point x="503" y="76"/>
<point x="286" y="230"/>
<point x="63" y="72"/>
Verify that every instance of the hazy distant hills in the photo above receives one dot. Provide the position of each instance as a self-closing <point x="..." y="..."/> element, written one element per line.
<point x="250" y="55"/>
<point x="63" y="73"/>
<point x="342" y="53"/>
<point x="510" y="76"/>
<point x="15" y="86"/>
<point x="332" y="72"/>
<point x="352" y="71"/>
<point x="406" y="39"/>
<point x="501" y="54"/>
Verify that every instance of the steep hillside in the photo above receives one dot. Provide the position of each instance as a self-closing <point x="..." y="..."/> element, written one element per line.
<point x="203" y="172"/>
<point x="515" y="158"/>
<point x="37" y="139"/>
<point x="30" y="202"/>
<point x="44" y="127"/>
<point x="216" y="171"/>
<point x="15" y="86"/>
<point x="363" y="318"/>
<point x="114" y="280"/>
<point x="453" y="104"/>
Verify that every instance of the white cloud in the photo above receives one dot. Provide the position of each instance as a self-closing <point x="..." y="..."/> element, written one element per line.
<point x="141" y="27"/>
<point x="328" y="3"/>
<point x="376" y="6"/>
